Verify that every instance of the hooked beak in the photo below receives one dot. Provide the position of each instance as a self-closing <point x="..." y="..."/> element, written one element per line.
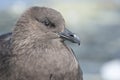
<point x="68" y="35"/>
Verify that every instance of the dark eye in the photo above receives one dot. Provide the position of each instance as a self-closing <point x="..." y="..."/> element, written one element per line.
<point x="46" y="22"/>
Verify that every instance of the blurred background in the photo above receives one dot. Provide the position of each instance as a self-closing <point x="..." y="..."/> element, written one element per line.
<point x="97" y="22"/>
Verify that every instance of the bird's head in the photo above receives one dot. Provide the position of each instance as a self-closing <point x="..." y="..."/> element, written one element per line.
<point x="46" y="24"/>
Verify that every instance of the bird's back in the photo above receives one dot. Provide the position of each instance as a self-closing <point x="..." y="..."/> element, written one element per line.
<point x="5" y="42"/>
<point x="5" y="54"/>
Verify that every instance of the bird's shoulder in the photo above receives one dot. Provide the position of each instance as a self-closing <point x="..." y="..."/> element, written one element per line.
<point x="5" y="42"/>
<point x="5" y="53"/>
<point x="6" y="36"/>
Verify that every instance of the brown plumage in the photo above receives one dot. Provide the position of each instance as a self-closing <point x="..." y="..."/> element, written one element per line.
<point x="35" y="50"/>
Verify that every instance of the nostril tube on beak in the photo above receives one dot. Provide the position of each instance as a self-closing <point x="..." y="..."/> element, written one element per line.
<point x="72" y="35"/>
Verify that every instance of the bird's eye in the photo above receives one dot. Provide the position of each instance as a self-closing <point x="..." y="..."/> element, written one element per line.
<point x="46" y="22"/>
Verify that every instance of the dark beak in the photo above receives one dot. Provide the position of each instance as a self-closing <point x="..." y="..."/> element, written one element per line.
<point x="68" y="35"/>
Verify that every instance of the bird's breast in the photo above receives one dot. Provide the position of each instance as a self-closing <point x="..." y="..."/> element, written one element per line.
<point x="56" y="60"/>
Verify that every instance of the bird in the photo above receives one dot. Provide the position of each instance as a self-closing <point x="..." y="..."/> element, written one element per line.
<point x="35" y="49"/>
